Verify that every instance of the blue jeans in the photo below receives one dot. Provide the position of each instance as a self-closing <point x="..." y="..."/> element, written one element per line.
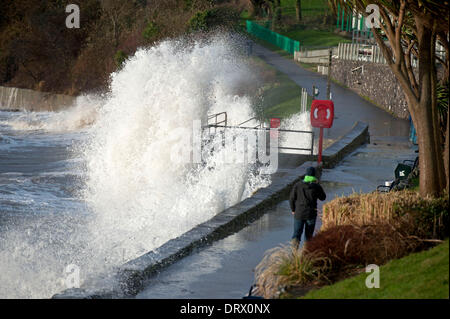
<point x="299" y="224"/>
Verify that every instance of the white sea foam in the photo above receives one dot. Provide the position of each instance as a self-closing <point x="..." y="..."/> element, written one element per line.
<point x="298" y="121"/>
<point x="80" y="115"/>
<point x="137" y="196"/>
<point x="133" y="195"/>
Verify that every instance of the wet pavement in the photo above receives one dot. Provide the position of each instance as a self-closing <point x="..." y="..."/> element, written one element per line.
<point x="348" y="106"/>
<point x="225" y="268"/>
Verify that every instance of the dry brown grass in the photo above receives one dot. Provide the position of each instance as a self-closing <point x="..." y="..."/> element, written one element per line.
<point x="349" y="246"/>
<point x="404" y="211"/>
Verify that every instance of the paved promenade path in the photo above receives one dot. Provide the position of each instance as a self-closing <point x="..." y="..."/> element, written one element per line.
<point x="225" y="268"/>
<point x="349" y="106"/>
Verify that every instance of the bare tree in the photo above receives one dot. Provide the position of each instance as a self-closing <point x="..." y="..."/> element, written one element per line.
<point x="116" y="11"/>
<point x="412" y="28"/>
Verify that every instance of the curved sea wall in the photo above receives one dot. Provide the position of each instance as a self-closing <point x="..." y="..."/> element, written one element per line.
<point x="131" y="276"/>
<point x="16" y="99"/>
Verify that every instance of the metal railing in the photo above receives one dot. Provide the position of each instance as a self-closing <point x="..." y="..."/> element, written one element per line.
<point x="215" y="117"/>
<point x="267" y="130"/>
<point x="216" y="121"/>
<point x="260" y="125"/>
<point x="360" y="52"/>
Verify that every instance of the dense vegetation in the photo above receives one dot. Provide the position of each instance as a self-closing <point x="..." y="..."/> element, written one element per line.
<point x="38" y="51"/>
<point x="356" y="231"/>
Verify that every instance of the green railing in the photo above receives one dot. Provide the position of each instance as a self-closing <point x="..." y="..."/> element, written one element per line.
<point x="277" y="39"/>
<point x="344" y="21"/>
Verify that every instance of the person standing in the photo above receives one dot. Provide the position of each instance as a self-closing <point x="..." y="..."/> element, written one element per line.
<point x="303" y="202"/>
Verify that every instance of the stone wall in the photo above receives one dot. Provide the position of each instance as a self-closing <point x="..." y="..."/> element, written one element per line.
<point x="15" y="99"/>
<point x="373" y="80"/>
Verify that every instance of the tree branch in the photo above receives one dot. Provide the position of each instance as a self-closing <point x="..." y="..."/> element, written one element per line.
<point x="412" y="77"/>
<point x="387" y="52"/>
<point x="398" y="36"/>
<point x="402" y="77"/>
<point x="387" y="26"/>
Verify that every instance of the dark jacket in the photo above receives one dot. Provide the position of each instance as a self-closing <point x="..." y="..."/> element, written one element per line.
<point x="303" y="199"/>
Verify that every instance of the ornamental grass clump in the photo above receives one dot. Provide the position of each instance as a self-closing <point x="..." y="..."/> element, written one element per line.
<point x="284" y="266"/>
<point x="404" y="211"/>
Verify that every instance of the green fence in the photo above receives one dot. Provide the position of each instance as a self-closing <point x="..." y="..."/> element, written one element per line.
<point x="344" y="20"/>
<point x="277" y="39"/>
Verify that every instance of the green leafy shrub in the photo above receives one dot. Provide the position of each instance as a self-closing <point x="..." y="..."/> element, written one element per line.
<point x="150" y="31"/>
<point x="276" y="20"/>
<point x="201" y="21"/>
<point x="430" y="217"/>
<point x="120" y="58"/>
<point x="206" y="20"/>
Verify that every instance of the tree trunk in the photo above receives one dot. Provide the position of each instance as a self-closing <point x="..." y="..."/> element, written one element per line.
<point x="446" y="158"/>
<point x="298" y="10"/>
<point x="435" y="113"/>
<point x="429" y="179"/>
<point x="255" y="8"/>
<point x="431" y="161"/>
<point x="420" y="92"/>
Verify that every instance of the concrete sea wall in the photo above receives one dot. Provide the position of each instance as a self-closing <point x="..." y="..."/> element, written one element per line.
<point x="131" y="275"/>
<point x="15" y="99"/>
<point x="357" y="136"/>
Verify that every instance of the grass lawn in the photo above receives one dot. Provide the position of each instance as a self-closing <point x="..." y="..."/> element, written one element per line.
<point x="306" y="32"/>
<point x="281" y="95"/>
<point x="315" y="38"/>
<point x="282" y="99"/>
<point x="271" y="47"/>
<point x="307" y="38"/>
<point x="421" y="275"/>
<point x="309" y="7"/>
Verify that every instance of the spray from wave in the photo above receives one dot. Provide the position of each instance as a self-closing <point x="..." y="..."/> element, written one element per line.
<point x="79" y="116"/>
<point x="298" y="121"/>
<point x="138" y="196"/>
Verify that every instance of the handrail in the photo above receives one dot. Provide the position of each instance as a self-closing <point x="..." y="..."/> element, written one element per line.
<point x="268" y="129"/>
<point x="216" y="125"/>
<point x="250" y="119"/>
<point x="260" y="128"/>
<point x="215" y="116"/>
